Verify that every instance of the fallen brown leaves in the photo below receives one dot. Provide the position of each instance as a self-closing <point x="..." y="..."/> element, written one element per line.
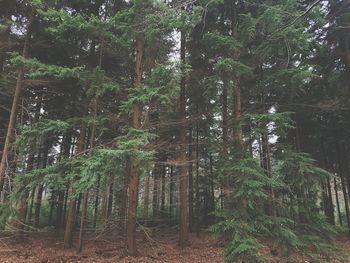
<point x="161" y="248"/>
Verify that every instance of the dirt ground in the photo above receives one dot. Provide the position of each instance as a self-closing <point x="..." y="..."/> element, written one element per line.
<point x="154" y="246"/>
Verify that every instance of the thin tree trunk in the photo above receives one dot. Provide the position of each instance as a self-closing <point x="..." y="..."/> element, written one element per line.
<point x="86" y="195"/>
<point x="133" y="175"/>
<point x="226" y="182"/>
<point x="162" y="195"/>
<point x="155" y="197"/>
<point x="331" y="206"/>
<point x="40" y="190"/>
<point x="110" y="202"/>
<point x="97" y="199"/>
<point x="266" y="160"/>
<point x="342" y="173"/>
<point x="77" y="212"/>
<point x="14" y="108"/>
<point x="66" y="193"/>
<point x="171" y="191"/>
<point x="190" y="183"/>
<point x="146" y="200"/>
<point x="337" y="201"/>
<point x="123" y="200"/>
<point x="184" y="220"/>
<point x="30" y="210"/>
<point x="82" y="222"/>
<point x="22" y="211"/>
<point x="65" y="152"/>
<point x="52" y="202"/>
<point x="197" y="227"/>
<point x="68" y="234"/>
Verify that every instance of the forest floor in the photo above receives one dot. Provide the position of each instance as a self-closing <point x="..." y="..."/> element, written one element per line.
<point x="154" y="246"/>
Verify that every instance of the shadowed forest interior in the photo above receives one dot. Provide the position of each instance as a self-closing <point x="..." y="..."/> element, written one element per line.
<point x="174" y="131"/>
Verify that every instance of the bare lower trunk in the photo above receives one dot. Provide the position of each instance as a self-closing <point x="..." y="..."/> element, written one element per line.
<point x="82" y="222"/>
<point x="97" y="199"/>
<point x="110" y="202"/>
<point x="171" y="191"/>
<point x="184" y="224"/>
<point x="337" y="201"/>
<point x="155" y="196"/>
<point x="39" y="195"/>
<point x="226" y="181"/>
<point x="86" y="195"/>
<point x="72" y="206"/>
<point x="146" y="200"/>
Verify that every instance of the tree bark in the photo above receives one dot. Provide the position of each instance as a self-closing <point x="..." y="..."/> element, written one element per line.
<point x="155" y="193"/>
<point x="14" y="108"/>
<point x="198" y="222"/>
<point x="184" y="219"/>
<point x="68" y="234"/>
<point x="39" y="195"/>
<point x="97" y="199"/>
<point x="86" y="195"/>
<point x="337" y="201"/>
<point x="162" y="193"/>
<point x="133" y="175"/>
<point x="146" y="200"/>
<point x="190" y="183"/>
<point x="226" y="182"/>
<point x="110" y="202"/>
<point x="171" y="191"/>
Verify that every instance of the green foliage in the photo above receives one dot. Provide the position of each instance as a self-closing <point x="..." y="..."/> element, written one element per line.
<point x="6" y="213"/>
<point x="231" y="66"/>
<point x="217" y="42"/>
<point x="36" y="69"/>
<point x="245" y="228"/>
<point x="32" y="137"/>
<point x="278" y="123"/>
<point x="162" y="86"/>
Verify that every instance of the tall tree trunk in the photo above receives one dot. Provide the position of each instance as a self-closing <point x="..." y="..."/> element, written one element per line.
<point x="68" y="233"/>
<point x="4" y="37"/>
<point x="171" y="191"/>
<point x="23" y="207"/>
<point x="86" y="195"/>
<point x="39" y="195"/>
<point x="266" y="161"/>
<point x="330" y="200"/>
<point x="237" y="107"/>
<point x="123" y="197"/>
<point x="337" y="201"/>
<point x="162" y="193"/>
<point x="226" y="182"/>
<point x="52" y="202"/>
<point x="190" y="182"/>
<point x="346" y="201"/>
<point x="155" y="193"/>
<point x="110" y="202"/>
<point x="65" y="153"/>
<point x="14" y="108"/>
<point x="342" y="173"/>
<point x="197" y="226"/>
<point x="133" y="175"/>
<point x="184" y="222"/>
<point x="97" y="199"/>
<point x="146" y="200"/>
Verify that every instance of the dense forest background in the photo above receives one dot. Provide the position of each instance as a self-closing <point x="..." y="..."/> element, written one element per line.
<point x="227" y="115"/>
